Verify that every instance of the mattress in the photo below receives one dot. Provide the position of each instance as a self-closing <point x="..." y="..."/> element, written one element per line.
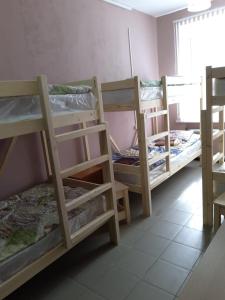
<point x="29" y="224"/>
<point x="127" y="96"/>
<point x="26" y="107"/>
<point x="179" y="154"/>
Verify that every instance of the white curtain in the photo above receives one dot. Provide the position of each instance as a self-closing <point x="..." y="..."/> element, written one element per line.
<point x="200" y="42"/>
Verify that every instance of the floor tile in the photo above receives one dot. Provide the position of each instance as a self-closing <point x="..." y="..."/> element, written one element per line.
<point x="129" y="236"/>
<point x="91" y="273"/>
<point x="143" y="224"/>
<point x="66" y="289"/>
<point x="196" y="222"/>
<point x="136" y="262"/>
<point x="116" y="284"/>
<point x="152" y="244"/>
<point x="193" y="238"/>
<point x="176" y="216"/>
<point x="166" y="276"/>
<point x="165" y="229"/>
<point x="144" y="291"/>
<point x="181" y="255"/>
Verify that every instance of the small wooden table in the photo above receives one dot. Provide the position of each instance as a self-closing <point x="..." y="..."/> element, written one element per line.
<point x="123" y="206"/>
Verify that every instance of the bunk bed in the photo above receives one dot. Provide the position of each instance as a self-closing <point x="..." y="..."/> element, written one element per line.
<point x="39" y="225"/>
<point x="146" y="165"/>
<point x="213" y="167"/>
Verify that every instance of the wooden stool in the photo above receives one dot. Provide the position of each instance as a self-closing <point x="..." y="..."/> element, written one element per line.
<point x="219" y="209"/>
<point x="124" y="208"/>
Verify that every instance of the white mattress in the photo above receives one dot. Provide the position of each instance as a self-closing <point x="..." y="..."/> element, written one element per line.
<point x="176" y="161"/>
<point x="176" y="94"/>
<point x="126" y="96"/>
<point x="21" y="108"/>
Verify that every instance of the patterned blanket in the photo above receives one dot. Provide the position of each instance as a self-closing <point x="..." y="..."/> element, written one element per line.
<point x="29" y="216"/>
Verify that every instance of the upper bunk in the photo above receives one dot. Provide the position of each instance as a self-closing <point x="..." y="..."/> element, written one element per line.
<point x="135" y="94"/>
<point x="215" y="87"/>
<point x="20" y="105"/>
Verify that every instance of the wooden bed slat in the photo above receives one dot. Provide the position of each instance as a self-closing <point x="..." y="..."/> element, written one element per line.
<point x="158" y="136"/>
<point x="217" y="157"/>
<point x="157" y="114"/>
<point x="218" y="134"/>
<point x="72" y="204"/>
<point x="218" y="100"/>
<point x="217" y="109"/>
<point x="91" y="227"/>
<point x="79" y="133"/>
<point x="218" y="72"/>
<point x="84" y="165"/>
<point x="159" y="179"/>
<point x="118" y="85"/>
<point x="18" y="88"/>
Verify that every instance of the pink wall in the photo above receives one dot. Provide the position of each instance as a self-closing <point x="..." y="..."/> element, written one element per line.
<point x="69" y="40"/>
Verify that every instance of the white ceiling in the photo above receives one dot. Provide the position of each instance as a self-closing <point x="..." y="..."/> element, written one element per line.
<point x="155" y="8"/>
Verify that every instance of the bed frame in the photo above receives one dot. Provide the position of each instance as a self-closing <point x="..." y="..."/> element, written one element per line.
<point x="46" y="126"/>
<point x="213" y="167"/>
<point x="144" y="110"/>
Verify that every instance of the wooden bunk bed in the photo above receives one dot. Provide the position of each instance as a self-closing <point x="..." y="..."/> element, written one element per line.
<point x="92" y="122"/>
<point x="213" y="167"/>
<point x="128" y="95"/>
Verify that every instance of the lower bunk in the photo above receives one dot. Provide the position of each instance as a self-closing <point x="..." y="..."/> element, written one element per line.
<point x="185" y="146"/>
<point x="30" y="235"/>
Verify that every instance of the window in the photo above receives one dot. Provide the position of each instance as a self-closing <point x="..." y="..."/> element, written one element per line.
<point x="199" y="43"/>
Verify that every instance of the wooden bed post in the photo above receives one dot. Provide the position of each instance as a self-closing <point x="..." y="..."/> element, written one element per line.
<point x="208" y="185"/>
<point x="143" y="152"/>
<point x="166" y="122"/>
<point x="108" y="175"/>
<point x="54" y="159"/>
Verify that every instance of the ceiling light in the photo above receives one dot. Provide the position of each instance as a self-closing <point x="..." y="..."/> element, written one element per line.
<point x="198" y="5"/>
<point x="119" y="4"/>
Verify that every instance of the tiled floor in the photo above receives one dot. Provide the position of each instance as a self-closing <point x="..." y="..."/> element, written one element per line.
<point x="155" y="257"/>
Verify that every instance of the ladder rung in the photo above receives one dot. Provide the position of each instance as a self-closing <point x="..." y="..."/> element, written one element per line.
<point x="218" y="100"/>
<point x="72" y="204"/>
<point x="216" y="157"/>
<point x="218" y="134"/>
<point x="157" y="114"/>
<point x="220" y="200"/>
<point x="84" y="166"/>
<point x="158" y="136"/>
<point x="217" y="109"/>
<point x="79" y="133"/>
<point x="158" y="157"/>
<point x="91" y="227"/>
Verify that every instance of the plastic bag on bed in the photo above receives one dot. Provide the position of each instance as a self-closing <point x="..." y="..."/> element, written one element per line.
<point x="29" y="107"/>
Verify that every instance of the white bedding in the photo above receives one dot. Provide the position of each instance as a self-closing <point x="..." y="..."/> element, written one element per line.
<point x="21" y="108"/>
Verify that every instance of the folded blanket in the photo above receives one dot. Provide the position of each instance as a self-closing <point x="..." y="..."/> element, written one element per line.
<point x="60" y="89"/>
<point x="150" y="83"/>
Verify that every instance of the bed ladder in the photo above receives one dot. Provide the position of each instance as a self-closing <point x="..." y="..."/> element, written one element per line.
<point x="163" y="112"/>
<point x="213" y="168"/>
<point x="52" y="142"/>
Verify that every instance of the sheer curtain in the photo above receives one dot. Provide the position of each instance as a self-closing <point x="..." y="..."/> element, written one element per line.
<point x="200" y="42"/>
